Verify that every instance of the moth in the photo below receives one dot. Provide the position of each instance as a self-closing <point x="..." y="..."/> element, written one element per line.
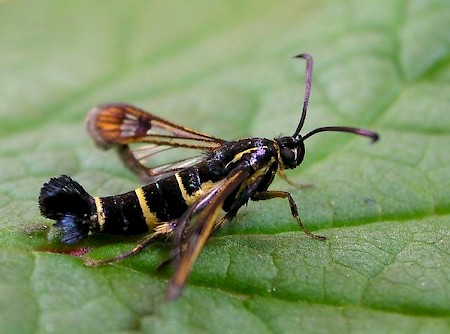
<point x="187" y="198"/>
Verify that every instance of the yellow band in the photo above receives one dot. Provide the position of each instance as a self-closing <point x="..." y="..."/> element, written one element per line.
<point x="150" y="218"/>
<point x="100" y="212"/>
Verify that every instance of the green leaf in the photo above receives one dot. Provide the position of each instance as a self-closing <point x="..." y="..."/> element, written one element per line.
<point x="225" y="68"/>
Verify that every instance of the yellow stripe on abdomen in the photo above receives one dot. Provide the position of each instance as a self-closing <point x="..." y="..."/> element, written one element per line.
<point x="199" y="193"/>
<point x="149" y="216"/>
<point x="100" y="212"/>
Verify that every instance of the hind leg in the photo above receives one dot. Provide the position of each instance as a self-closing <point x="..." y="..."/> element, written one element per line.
<point x="164" y="229"/>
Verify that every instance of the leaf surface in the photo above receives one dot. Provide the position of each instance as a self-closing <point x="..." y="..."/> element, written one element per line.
<point x="225" y="69"/>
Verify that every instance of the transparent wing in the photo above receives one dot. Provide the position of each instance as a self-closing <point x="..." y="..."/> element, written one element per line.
<point x="195" y="227"/>
<point x="142" y="139"/>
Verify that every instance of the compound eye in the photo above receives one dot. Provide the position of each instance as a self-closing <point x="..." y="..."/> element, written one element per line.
<point x="300" y="154"/>
<point x="288" y="157"/>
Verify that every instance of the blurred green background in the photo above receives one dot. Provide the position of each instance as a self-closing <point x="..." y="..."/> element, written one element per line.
<point x="226" y="68"/>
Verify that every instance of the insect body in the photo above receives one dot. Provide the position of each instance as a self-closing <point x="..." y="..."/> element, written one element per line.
<point x="183" y="199"/>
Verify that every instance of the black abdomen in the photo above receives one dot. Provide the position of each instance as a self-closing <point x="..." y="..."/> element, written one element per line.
<point x="167" y="199"/>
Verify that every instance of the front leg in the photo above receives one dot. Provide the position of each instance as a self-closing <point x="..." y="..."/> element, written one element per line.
<point x="294" y="211"/>
<point x="293" y="183"/>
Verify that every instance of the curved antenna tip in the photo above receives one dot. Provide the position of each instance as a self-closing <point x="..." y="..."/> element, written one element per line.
<point x="374" y="137"/>
<point x="302" y="55"/>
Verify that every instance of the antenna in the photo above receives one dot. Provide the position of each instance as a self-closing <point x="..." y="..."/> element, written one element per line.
<point x="308" y="74"/>
<point x="357" y="131"/>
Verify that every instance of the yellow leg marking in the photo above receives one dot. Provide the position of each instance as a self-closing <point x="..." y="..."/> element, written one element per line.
<point x="100" y="213"/>
<point x="150" y="218"/>
<point x="164" y="229"/>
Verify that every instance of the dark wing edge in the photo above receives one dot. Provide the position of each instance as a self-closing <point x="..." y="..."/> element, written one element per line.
<point x="195" y="227"/>
<point x="140" y="136"/>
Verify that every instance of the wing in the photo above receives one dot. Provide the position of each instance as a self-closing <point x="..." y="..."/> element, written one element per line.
<point x="194" y="228"/>
<point x="140" y="137"/>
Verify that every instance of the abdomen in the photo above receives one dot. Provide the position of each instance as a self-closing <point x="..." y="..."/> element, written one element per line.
<point x="139" y="211"/>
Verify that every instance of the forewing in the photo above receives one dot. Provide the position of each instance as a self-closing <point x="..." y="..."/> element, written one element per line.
<point x="194" y="228"/>
<point x="142" y="137"/>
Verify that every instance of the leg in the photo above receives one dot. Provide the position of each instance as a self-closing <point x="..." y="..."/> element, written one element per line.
<point x="295" y="184"/>
<point x="175" y="252"/>
<point x="294" y="211"/>
<point x="163" y="229"/>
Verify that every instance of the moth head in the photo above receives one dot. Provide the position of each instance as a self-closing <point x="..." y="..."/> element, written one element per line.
<point x="292" y="151"/>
